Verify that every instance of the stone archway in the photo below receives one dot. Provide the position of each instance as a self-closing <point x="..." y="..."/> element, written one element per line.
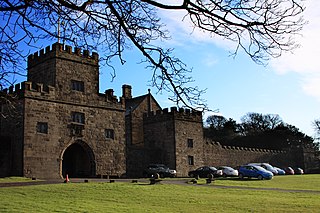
<point x="78" y="161"/>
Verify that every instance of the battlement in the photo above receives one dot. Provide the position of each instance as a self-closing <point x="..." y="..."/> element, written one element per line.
<point x="218" y="145"/>
<point x="175" y="113"/>
<point x="27" y="86"/>
<point x="58" y="49"/>
<point x="42" y="91"/>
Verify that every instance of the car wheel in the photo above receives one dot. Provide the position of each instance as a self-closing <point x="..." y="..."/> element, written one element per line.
<point x="191" y="175"/>
<point x="241" y="176"/>
<point x="156" y="176"/>
<point x="224" y="175"/>
<point x="210" y="176"/>
<point x="260" y="177"/>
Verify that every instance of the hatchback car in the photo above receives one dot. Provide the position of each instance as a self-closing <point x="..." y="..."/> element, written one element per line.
<point x="298" y="171"/>
<point x="289" y="171"/>
<point x="205" y="172"/>
<point x="266" y="166"/>
<point x="228" y="171"/>
<point x="254" y="171"/>
<point x="280" y="171"/>
<point x="159" y="169"/>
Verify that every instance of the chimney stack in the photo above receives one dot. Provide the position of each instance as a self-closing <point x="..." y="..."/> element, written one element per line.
<point x="126" y="91"/>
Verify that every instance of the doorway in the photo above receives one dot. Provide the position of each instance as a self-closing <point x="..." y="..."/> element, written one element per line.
<point x="78" y="161"/>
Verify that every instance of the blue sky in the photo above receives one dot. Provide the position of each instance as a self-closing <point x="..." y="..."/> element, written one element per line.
<point x="288" y="86"/>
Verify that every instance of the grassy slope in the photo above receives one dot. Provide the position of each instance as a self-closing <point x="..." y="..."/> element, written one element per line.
<point x="304" y="182"/>
<point x="129" y="197"/>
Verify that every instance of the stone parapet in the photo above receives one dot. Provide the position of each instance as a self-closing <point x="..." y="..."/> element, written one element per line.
<point x="61" y="50"/>
<point x="241" y="149"/>
<point x="173" y="113"/>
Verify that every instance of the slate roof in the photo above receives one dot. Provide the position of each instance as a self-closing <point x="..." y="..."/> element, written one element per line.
<point x="133" y="103"/>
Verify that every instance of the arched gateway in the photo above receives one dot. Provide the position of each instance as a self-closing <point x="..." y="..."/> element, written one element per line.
<point x="78" y="160"/>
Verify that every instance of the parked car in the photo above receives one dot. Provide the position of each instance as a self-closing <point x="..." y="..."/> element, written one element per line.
<point x="159" y="169"/>
<point x="289" y="171"/>
<point x="298" y="171"/>
<point x="205" y="171"/>
<point x="228" y="171"/>
<point x="266" y="166"/>
<point x="254" y="171"/>
<point x="280" y="171"/>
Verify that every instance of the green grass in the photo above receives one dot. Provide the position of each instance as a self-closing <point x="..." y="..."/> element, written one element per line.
<point x="304" y="182"/>
<point x="15" y="179"/>
<point x="140" y="197"/>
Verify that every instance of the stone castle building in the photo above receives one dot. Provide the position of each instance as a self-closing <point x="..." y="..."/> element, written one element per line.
<point x="60" y="124"/>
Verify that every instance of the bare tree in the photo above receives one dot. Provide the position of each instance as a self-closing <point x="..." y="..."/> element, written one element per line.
<point x="262" y="28"/>
<point x="253" y="123"/>
<point x="316" y="125"/>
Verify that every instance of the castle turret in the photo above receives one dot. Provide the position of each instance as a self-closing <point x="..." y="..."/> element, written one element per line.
<point x="64" y="69"/>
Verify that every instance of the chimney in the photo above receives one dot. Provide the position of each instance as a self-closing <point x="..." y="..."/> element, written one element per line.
<point x="126" y="91"/>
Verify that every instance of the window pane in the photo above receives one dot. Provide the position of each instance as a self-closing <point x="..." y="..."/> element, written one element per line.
<point x="190" y="143"/>
<point x="42" y="127"/>
<point x="78" y="117"/>
<point x="109" y="133"/>
<point x="77" y="85"/>
<point x="190" y="160"/>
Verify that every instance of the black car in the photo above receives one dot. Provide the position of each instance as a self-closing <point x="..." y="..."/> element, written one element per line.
<point x="162" y="170"/>
<point x="205" y="172"/>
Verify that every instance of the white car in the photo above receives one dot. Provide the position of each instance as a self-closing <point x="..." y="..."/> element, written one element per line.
<point x="228" y="171"/>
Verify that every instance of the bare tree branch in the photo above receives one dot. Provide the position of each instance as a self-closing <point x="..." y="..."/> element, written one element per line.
<point x="260" y="28"/>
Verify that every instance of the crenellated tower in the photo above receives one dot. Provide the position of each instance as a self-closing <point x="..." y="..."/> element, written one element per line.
<point x="65" y="125"/>
<point x="65" y="68"/>
<point x="175" y="137"/>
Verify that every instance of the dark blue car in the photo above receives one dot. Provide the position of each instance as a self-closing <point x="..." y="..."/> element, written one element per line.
<point x="255" y="172"/>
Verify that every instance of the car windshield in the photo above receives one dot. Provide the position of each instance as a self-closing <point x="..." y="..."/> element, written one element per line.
<point x="158" y="166"/>
<point x="260" y="168"/>
<point x="213" y="168"/>
<point x="227" y="167"/>
<point x="268" y="166"/>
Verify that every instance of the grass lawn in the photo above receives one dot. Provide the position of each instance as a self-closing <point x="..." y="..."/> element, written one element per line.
<point x="299" y="182"/>
<point x="141" y="197"/>
<point x="15" y="179"/>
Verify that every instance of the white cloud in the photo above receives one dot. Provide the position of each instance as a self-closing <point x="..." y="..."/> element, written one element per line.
<point x="311" y="86"/>
<point x="183" y="31"/>
<point x="305" y="59"/>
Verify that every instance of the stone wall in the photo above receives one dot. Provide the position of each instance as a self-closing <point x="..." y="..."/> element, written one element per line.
<point x="188" y="126"/>
<point x="159" y="138"/>
<point x="11" y="139"/>
<point x="54" y="104"/>
<point x="218" y="155"/>
<point x="43" y="153"/>
<point x="135" y="117"/>
<point x="166" y="134"/>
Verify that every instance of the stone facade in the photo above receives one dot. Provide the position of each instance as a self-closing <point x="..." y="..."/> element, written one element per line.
<point x="61" y="125"/>
<point x="167" y="134"/>
<point x="74" y="119"/>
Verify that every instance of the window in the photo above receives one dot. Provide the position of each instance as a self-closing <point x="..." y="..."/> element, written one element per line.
<point x="109" y="133"/>
<point x="77" y="85"/>
<point x="76" y="130"/>
<point x="78" y="117"/>
<point x="42" y="127"/>
<point x="190" y="160"/>
<point x="190" y="143"/>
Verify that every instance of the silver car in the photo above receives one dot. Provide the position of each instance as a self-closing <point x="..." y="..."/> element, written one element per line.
<point x="228" y="171"/>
